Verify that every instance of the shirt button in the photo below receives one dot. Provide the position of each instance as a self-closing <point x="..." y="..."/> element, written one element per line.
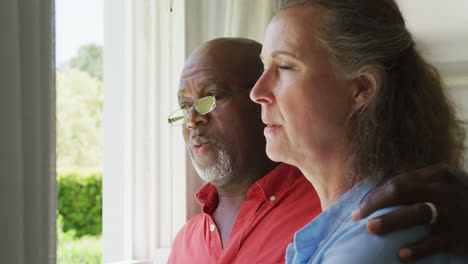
<point x="212" y="227"/>
<point x="272" y="198"/>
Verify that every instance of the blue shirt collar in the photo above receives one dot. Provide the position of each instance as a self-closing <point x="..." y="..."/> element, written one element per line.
<point x="307" y="239"/>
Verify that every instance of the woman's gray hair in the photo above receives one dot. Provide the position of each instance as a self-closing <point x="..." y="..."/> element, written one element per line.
<point x="409" y="122"/>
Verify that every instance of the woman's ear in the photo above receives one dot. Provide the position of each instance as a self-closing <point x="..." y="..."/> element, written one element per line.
<point x="365" y="86"/>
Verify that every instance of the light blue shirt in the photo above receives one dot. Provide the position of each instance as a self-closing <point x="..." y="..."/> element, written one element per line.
<point x="334" y="238"/>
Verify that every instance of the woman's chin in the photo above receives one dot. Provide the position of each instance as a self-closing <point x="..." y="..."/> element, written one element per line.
<point x="275" y="153"/>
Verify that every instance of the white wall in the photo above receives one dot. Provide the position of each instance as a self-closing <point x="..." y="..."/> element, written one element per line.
<point x="440" y="30"/>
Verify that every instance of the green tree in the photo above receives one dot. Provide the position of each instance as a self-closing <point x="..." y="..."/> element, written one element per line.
<point x="79" y="148"/>
<point x="79" y="120"/>
<point x="89" y="60"/>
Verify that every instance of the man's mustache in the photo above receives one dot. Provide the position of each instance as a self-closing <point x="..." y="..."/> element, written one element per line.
<point x="202" y="138"/>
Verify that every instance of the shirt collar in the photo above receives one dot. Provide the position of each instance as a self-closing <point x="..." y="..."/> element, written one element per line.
<point x="207" y="197"/>
<point x="308" y="238"/>
<point x="270" y="187"/>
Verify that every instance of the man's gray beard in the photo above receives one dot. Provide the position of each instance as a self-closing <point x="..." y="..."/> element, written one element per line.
<point x="220" y="170"/>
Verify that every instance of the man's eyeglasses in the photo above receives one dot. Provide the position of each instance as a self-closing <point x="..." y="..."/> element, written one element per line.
<point x="203" y="106"/>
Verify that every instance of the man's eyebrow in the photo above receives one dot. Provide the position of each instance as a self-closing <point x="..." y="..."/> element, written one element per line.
<point x="200" y="85"/>
<point x="207" y="82"/>
<point x="180" y="94"/>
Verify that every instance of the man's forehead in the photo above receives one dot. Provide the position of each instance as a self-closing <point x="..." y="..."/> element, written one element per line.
<point x="196" y="64"/>
<point x="198" y="74"/>
<point x="194" y="72"/>
<point x="209" y="58"/>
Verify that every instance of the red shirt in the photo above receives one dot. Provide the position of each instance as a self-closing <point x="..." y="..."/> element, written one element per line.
<point x="277" y="205"/>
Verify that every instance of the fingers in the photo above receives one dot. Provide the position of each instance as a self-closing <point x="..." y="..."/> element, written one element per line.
<point x="408" y="216"/>
<point x="443" y="186"/>
<point x="426" y="184"/>
<point x="393" y="192"/>
<point x="424" y="248"/>
<point x="381" y="197"/>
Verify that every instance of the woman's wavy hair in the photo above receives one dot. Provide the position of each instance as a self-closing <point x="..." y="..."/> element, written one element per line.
<point x="409" y="122"/>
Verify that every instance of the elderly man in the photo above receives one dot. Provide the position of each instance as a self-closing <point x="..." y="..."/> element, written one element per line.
<point x="252" y="206"/>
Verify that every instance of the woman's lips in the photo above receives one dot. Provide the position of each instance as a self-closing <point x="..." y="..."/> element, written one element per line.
<point x="270" y="128"/>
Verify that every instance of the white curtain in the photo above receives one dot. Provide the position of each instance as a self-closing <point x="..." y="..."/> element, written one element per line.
<point x="209" y="19"/>
<point x="144" y="157"/>
<point x="248" y="19"/>
<point x="27" y="134"/>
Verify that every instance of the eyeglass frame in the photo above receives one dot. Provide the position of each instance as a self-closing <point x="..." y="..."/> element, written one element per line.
<point x="188" y="110"/>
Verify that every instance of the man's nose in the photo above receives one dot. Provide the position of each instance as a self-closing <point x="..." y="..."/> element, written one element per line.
<point x="194" y="119"/>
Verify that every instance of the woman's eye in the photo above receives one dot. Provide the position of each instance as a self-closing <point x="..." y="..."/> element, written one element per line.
<point x="284" y="67"/>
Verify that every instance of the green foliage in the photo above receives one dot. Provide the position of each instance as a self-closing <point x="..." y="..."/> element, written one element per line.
<point x="79" y="146"/>
<point x="79" y="121"/>
<point x="89" y="60"/>
<point x="87" y="249"/>
<point x="80" y="203"/>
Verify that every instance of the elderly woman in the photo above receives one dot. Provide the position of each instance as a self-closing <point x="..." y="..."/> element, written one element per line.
<point x="347" y="99"/>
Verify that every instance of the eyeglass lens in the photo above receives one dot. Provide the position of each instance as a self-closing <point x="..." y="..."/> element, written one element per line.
<point x="204" y="105"/>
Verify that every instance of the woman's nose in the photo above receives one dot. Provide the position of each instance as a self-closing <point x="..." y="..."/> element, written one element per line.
<point x="261" y="92"/>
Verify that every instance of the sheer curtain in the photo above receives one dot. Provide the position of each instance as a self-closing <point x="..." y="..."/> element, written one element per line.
<point x="28" y="185"/>
<point x="144" y="160"/>
<point x="248" y="19"/>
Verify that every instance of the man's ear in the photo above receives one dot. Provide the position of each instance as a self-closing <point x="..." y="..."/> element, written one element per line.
<point x="365" y="86"/>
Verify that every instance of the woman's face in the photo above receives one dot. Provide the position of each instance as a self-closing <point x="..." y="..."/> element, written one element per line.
<point x="305" y="105"/>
